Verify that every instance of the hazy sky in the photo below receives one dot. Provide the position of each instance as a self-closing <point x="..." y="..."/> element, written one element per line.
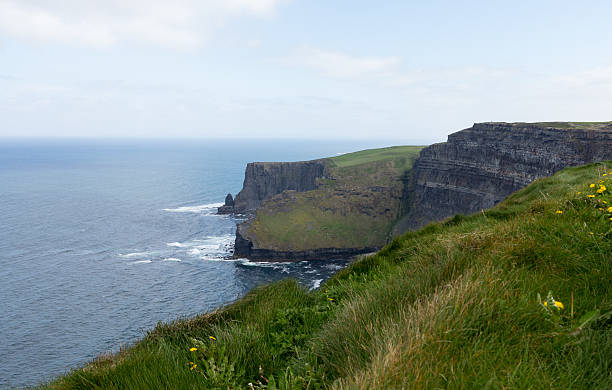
<point x="404" y="70"/>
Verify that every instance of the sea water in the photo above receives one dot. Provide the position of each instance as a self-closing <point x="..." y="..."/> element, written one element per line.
<point x="101" y="239"/>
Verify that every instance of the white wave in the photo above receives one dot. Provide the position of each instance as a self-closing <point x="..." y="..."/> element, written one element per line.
<point x="207" y="248"/>
<point x="206" y="209"/>
<point x="141" y="262"/>
<point x="213" y="258"/>
<point x="266" y="264"/>
<point x="316" y="284"/>
<point x="134" y="254"/>
<point x="171" y="259"/>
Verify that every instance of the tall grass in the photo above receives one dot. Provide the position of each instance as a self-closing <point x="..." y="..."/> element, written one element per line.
<point x="454" y="305"/>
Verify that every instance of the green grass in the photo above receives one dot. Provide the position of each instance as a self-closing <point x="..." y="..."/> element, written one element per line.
<point x="366" y="156"/>
<point x="454" y="305"/>
<point x="575" y="125"/>
<point x="322" y="219"/>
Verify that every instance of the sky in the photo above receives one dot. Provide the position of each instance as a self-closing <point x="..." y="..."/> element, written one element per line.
<point x="412" y="71"/>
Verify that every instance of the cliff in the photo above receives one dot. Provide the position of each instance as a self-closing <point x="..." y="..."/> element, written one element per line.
<point x="480" y="166"/>
<point x="321" y="209"/>
<point x="355" y="203"/>
<point x="263" y="180"/>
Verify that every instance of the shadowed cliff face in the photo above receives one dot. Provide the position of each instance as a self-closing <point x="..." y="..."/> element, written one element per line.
<point x="480" y="166"/>
<point x="263" y="180"/>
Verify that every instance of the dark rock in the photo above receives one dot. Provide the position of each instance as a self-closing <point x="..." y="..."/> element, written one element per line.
<point x="225" y="210"/>
<point x="229" y="200"/>
<point x="263" y="180"/>
<point x="228" y="207"/>
<point x="242" y="245"/>
<point x="480" y="166"/>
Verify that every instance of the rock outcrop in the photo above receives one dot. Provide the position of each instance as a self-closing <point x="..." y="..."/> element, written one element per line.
<point x="480" y="166"/>
<point x="321" y="209"/>
<point x="263" y="180"/>
<point x="228" y="207"/>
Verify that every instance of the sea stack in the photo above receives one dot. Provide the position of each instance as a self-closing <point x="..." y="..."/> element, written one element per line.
<point x="228" y="207"/>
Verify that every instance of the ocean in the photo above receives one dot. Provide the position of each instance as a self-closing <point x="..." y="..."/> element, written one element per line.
<point x="102" y="239"/>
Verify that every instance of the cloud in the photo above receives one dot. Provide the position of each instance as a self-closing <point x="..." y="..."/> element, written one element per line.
<point x="181" y="24"/>
<point x="342" y="65"/>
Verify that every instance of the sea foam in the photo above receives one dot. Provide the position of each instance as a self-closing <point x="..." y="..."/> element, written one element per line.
<point x="141" y="262"/>
<point x="206" y="209"/>
<point x="134" y="254"/>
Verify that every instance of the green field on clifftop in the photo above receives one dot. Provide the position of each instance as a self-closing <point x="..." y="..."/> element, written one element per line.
<point x="574" y="125"/>
<point x="370" y="155"/>
<point x="355" y="208"/>
<point x="514" y="297"/>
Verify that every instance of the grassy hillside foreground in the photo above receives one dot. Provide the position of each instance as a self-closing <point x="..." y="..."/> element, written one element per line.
<point x="356" y="208"/>
<point x="459" y="304"/>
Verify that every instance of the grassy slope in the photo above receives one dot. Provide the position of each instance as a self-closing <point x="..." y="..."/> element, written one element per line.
<point x="347" y="211"/>
<point x="574" y="125"/>
<point x="453" y="305"/>
<point x="370" y="155"/>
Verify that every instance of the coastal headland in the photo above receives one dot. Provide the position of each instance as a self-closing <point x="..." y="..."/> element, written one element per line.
<point x="356" y="203"/>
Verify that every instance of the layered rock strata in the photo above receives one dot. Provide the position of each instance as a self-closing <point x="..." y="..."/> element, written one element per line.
<point x="263" y="180"/>
<point x="480" y="166"/>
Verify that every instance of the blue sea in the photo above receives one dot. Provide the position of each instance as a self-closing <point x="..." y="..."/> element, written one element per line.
<point x="101" y="239"/>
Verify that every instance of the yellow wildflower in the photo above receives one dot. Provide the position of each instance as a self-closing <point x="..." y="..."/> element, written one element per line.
<point x="193" y="367"/>
<point x="557" y="304"/>
<point x="193" y="349"/>
<point x="591" y="196"/>
<point x="559" y="211"/>
<point x="592" y="186"/>
<point x="212" y="338"/>
<point x="610" y="209"/>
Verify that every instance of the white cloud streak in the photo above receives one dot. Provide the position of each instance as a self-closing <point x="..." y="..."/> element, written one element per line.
<point x="183" y="24"/>
<point x="342" y="65"/>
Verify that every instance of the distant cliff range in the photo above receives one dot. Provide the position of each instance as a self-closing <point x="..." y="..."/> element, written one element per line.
<point x="355" y="203"/>
<point x="480" y="166"/>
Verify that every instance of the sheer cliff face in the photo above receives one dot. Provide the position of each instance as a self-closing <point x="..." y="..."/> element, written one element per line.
<point x="263" y="180"/>
<point x="480" y="166"/>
